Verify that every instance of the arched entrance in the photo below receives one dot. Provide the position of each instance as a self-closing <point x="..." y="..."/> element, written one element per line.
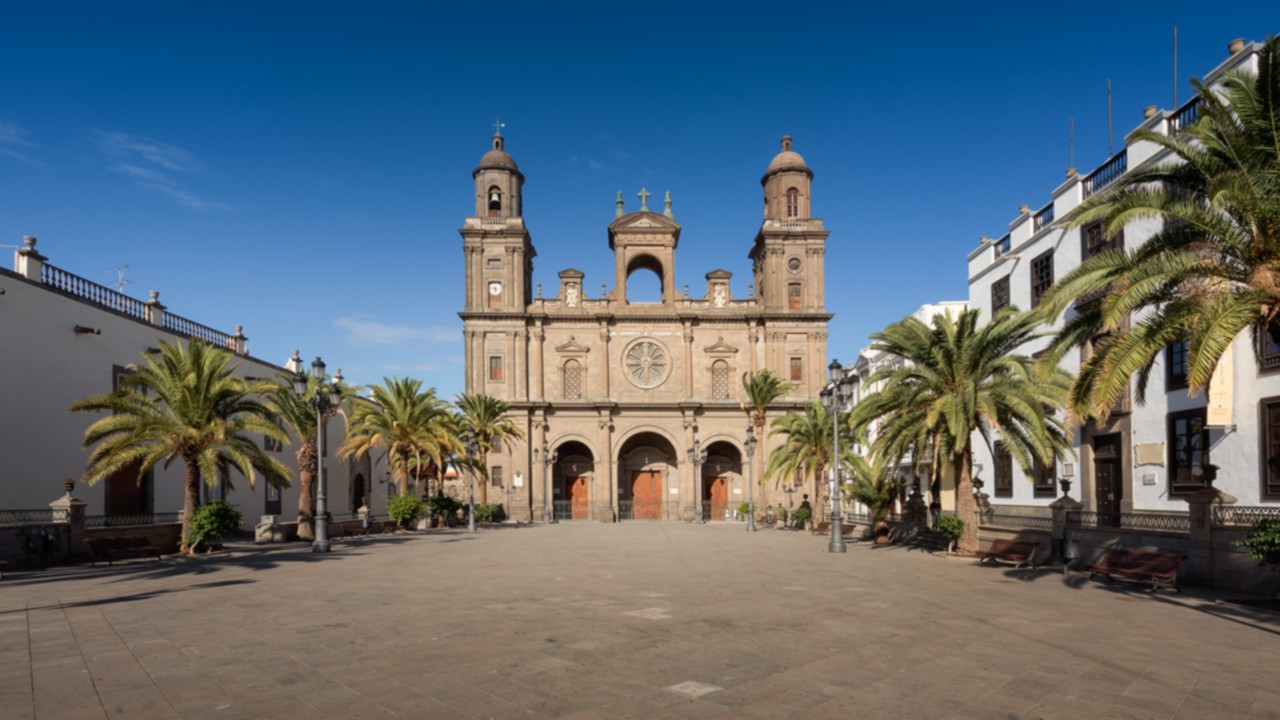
<point x="645" y="464"/>
<point x="571" y="488"/>
<point x="722" y="488"/>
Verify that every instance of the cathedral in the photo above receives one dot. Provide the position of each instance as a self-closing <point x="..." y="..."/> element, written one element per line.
<point x="635" y="410"/>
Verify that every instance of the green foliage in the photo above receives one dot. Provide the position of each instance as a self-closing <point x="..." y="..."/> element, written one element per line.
<point x="484" y="418"/>
<point x="443" y="505"/>
<point x="405" y="422"/>
<point x="214" y="521"/>
<point x="1262" y="542"/>
<point x="763" y="388"/>
<point x="405" y="509"/>
<point x="486" y="513"/>
<point x="801" y="515"/>
<point x="782" y="515"/>
<point x="744" y="509"/>
<point x="950" y="526"/>
<point x="878" y="493"/>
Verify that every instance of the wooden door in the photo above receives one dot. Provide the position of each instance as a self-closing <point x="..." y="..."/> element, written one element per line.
<point x="1107" y="486"/>
<point x="125" y="495"/>
<point x="718" y="497"/>
<point x="646" y="496"/>
<point x="579" y="503"/>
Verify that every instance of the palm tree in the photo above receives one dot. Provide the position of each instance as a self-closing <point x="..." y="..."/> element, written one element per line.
<point x="1213" y="269"/>
<point x="484" y="418"/>
<point x="806" y="449"/>
<point x="404" y="421"/>
<point x="763" y="388"/>
<point x="297" y="415"/>
<point x="959" y="379"/>
<point x="184" y="404"/>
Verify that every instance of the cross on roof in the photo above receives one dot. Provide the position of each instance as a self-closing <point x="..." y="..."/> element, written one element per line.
<point x="498" y="125"/>
<point x="644" y="199"/>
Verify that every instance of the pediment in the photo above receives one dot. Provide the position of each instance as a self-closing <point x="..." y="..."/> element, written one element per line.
<point x="720" y="347"/>
<point x="573" y="347"/>
<point x="644" y="220"/>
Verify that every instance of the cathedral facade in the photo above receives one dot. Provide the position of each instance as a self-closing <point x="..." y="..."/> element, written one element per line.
<point x="635" y="410"/>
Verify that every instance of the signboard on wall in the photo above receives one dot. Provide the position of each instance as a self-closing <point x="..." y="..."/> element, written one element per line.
<point x="1222" y="390"/>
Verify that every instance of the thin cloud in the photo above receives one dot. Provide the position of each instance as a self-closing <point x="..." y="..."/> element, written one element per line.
<point x="595" y="164"/>
<point x="154" y="165"/>
<point x="362" y="329"/>
<point x="13" y="137"/>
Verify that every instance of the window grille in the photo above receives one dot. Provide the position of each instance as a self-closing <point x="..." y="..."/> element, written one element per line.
<point x="1188" y="450"/>
<point x="572" y="380"/>
<point x="999" y="294"/>
<point x="720" y="380"/>
<point x="1041" y="277"/>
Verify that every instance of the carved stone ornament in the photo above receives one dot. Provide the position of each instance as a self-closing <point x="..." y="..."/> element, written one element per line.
<point x="647" y="364"/>
<point x="571" y="295"/>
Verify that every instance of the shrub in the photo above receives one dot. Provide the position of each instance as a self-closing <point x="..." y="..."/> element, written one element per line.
<point x="1262" y="542"/>
<point x="443" y="505"/>
<point x="486" y="513"/>
<point x="801" y="515"/>
<point x="782" y="515"/>
<point x="405" y="509"/>
<point x="950" y="526"/>
<point x="214" y="521"/>
<point x="744" y="509"/>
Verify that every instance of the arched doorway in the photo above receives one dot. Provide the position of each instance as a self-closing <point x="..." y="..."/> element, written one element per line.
<point x="571" y="487"/>
<point x="722" y="488"/>
<point x="645" y="462"/>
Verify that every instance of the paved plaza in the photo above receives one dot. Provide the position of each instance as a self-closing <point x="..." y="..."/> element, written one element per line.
<point x="639" y="620"/>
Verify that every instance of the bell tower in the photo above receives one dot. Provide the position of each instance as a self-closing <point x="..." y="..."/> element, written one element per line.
<point x="788" y="253"/>
<point x="496" y="246"/>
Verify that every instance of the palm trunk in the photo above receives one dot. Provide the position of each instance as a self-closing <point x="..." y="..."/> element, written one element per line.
<point x="190" y="501"/>
<point x="968" y="542"/>
<point x="484" y="479"/>
<point x="307" y="465"/>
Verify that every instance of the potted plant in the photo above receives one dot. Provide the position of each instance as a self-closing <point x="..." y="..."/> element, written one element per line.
<point x="405" y="509"/>
<point x="800" y="516"/>
<point x="1262" y="542"/>
<point x="445" y="508"/>
<point x="782" y="518"/>
<point x="486" y="513"/>
<point x="744" y="509"/>
<point x="211" y="523"/>
<point x="878" y="493"/>
<point x="952" y="528"/>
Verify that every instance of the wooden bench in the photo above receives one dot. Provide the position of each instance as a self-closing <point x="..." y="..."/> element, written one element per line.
<point x="822" y="528"/>
<point x="1021" y="552"/>
<point x="120" y="548"/>
<point x="1160" y="569"/>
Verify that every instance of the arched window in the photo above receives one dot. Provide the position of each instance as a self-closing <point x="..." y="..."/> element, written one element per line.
<point x="793" y="203"/>
<point x="720" y="380"/>
<point x="572" y="380"/>
<point x="793" y="296"/>
<point x="495" y="202"/>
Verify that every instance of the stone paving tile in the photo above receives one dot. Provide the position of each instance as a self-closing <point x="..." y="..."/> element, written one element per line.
<point x="597" y="621"/>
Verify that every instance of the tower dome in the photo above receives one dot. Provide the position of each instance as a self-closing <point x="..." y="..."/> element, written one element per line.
<point x="788" y="159"/>
<point x="499" y="158"/>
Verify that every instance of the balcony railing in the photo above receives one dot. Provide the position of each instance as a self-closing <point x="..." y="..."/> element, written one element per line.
<point x="1232" y="515"/>
<point x="1042" y="219"/>
<point x="1184" y="117"/>
<point x="77" y="286"/>
<point x="1022" y="522"/>
<point x="1003" y="245"/>
<point x="1160" y="522"/>
<point x="191" y="328"/>
<point x="132" y="520"/>
<point x="1110" y="171"/>
<point x="39" y="516"/>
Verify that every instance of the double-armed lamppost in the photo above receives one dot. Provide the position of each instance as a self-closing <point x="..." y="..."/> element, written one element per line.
<point x="750" y="446"/>
<point x="836" y="397"/>
<point x="549" y="458"/>
<point x="473" y="449"/>
<point x="697" y="456"/>
<point x="323" y="403"/>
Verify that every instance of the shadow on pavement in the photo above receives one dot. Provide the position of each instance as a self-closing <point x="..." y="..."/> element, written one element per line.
<point x="128" y="598"/>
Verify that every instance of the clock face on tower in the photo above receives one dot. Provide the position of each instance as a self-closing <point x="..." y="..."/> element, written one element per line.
<point x="495" y="288"/>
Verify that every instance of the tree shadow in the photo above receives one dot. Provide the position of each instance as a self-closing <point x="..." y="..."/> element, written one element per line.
<point x="132" y="597"/>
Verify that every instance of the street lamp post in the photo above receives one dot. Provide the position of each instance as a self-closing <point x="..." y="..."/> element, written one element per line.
<point x="750" y="446"/>
<point x="697" y="456"/>
<point x="549" y="458"/>
<point x="835" y="396"/>
<point x="323" y="403"/>
<point x="473" y="449"/>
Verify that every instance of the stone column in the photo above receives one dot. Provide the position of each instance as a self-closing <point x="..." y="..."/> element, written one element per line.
<point x="239" y="342"/>
<point x="537" y="363"/>
<point x="605" y="506"/>
<point x="606" y="391"/>
<point x="1200" y="567"/>
<point x="1062" y="509"/>
<point x="68" y="510"/>
<point x="688" y="360"/>
<point x="27" y="262"/>
<point x="916" y="513"/>
<point x="155" y="311"/>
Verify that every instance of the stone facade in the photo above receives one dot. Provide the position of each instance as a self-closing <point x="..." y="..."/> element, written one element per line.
<point x="619" y="391"/>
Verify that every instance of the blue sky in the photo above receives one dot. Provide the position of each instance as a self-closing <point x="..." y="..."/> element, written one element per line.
<point x="302" y="169"/>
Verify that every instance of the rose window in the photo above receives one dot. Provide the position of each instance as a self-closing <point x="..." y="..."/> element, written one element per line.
<point x="646" y="364"/>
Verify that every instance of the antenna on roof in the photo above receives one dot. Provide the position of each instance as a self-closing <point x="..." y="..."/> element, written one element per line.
<point x="1110" y="132"/>
<point x="120" y="281"/>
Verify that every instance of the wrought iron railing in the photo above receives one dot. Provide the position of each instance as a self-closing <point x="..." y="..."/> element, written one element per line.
<point x="191" y="328"/>
<point x="77" y="286"/>
<point x="133" y="519"/>
<point x="1020" y="522"/>
<point x="42" y="516"/>
<point x="1003" y="245"/>
<point x="1184" y="117"/>
<point x="858" y="517"/>
<point x="1246" y="515"/>
<point x="1160" y="522"/>
<point x="1110" y="171"/>
<point x="563" y="509"/>
<point x="1042" y="219"/>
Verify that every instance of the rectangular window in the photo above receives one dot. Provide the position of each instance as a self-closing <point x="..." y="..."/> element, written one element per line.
<point x="793" y="296"/>
<point x="1271" y="448"/>
<point x="495" y="368"/>
<point x="1188" y="450"/>
<point x="1093" y="241"/>
<point x="495" y="476"/>
<point x="271" y="444"/>
<point x="797" y="369"/>
<point x="1042" y="477"/>
<point x="1041" y="277"/>
<point x="1003" y="471"/>
<point x="1269" y="352"/>
<point x="1175" y="366"/>
<point x="272" y="506"/>
<point x="999" y="294"/>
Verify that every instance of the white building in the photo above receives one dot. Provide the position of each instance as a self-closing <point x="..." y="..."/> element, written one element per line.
<point x="1146" y="457"/>
<point x="66" y="338"/>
